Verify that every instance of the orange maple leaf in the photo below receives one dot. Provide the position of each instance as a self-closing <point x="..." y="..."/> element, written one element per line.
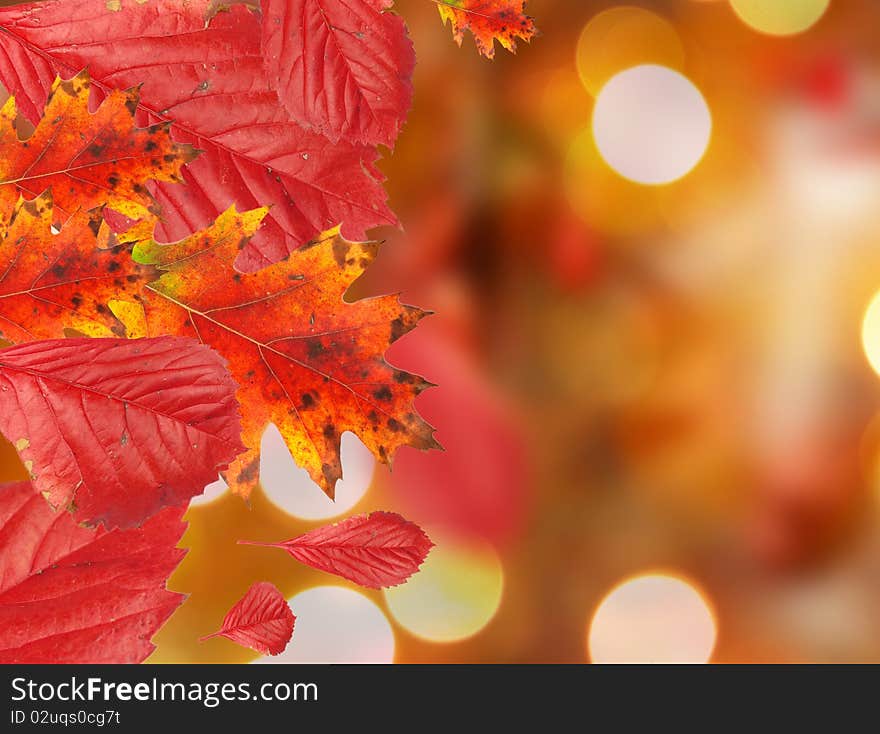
<point x="53" y="281"/>
<point x="305" y="359"/>
<point x="74" y="163"/>
<point x="87" y="159"/>
<point x="489" y="21"/>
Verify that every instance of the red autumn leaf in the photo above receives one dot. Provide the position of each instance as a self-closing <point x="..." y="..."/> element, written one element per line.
<point x="70" y="594"/>
<point x="378" y="550"/>
<point x="204" y="73"/>
<point x="87" y="159"/>
<point x="118" y="429"/>
<point x="343" y="68"/>
<point x="261" y="620"/>
<point x="305" y="359"/>
<point x="489" y="21"/>
<point x="52" y="281"/>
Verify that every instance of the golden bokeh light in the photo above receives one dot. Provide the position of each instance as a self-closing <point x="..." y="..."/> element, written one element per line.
<point x="654" y="618"/>
<point x="565" y="109"/>
<point x="780" y="17"/>
<point x="651" y="124"/>
<point x="608" y="202"/>
<point x="622" y="37"/>
<point x="455" y="594"/>
<point x="871" y="333"/>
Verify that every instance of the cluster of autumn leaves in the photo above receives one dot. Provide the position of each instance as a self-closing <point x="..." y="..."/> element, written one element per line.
<point x="177" y="356"/>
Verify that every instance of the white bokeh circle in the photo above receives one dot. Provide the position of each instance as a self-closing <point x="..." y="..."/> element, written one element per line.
<point x="651" y="124"/>
<point x="652" y="618"/>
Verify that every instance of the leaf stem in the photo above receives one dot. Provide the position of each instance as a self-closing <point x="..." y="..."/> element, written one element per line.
<point x="257" y="542"/>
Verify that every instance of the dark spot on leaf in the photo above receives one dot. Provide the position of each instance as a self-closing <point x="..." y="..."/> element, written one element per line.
<point x="340" y="251"/>
<point x="249" y="473"/>
<point x="398" y="328"/>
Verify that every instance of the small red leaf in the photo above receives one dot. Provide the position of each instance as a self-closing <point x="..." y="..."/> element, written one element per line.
<point x="261" y="620"/>
<point x="378" y="550"/>
<point x="70" y="594"/>
<point x="119" y="429"/>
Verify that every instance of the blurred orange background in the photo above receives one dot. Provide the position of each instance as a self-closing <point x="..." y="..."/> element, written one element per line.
<point x="652" y="241"/>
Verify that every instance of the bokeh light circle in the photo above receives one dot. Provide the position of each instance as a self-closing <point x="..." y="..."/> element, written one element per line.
<point x="654" y="618"/>
<point x="780" y="17"/>
<point x="290" y="488"/>
<point x="871" y="333"/>
<point x="623" y="37"/>
<point x="455" y="594"/>
<point x="337" y="625"/>
<point x="651" y="124"/>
